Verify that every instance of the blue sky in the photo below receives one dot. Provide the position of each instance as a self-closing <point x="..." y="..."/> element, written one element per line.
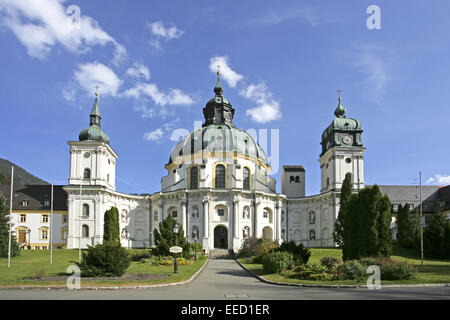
<point x="282" y="64"/>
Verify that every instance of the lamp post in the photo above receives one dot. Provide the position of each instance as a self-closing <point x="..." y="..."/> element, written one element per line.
<point x="29" y="242"/>
<point x="176" y="228"/>
<point x="421" y="227"/>
<point x="195" y="241"/>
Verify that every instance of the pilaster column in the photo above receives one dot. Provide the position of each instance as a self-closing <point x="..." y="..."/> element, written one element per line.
<point x="256" y="216"/>
<point x="278" y="221"/>
<point x="183" y="216"/>
<point x="236" y="217"/>
<point x="205" y="218"/>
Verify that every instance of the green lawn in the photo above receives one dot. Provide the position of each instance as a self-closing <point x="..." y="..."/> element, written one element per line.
<point x="433" y="271"/>
<point x="29" y="262"/>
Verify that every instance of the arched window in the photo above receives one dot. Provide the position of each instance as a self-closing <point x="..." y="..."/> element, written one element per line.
<point x="283" y="234"/>
<point x="193" y="175"/>
<point x="220" y="177"/>
<point x="291" y="179"/>
<point x="85" y="231"/>
<point x="312" y="235"/>
<point x="297" y="179"/>
<point x="312" y="217"/>
<point x="87" y="173"/>
<point x="246" y="180"/>
<point x="85" y="210"/>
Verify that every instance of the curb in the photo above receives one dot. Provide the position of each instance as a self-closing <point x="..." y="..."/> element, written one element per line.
<point x="302" y="285"/>
<point x="125" y="287"/>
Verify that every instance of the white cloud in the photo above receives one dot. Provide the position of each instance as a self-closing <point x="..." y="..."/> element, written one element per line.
<point x="439" y="179"/>
<point x="371" y="61"/>
<point x="172" y="97"/>
<point x="302" y="14"/>
<point x="40" y="25"/>
<point x="155" y="135"/>
<point x="145" y="111"/>
<point x="228" y="74"/>
<point x="166" y="129"/>
<point x="159" y="30"/>
<point x="139" y="71"/>
<point x="91" y="74"/>
<point x="163" y="33"/>
<point x="268" y="108"/>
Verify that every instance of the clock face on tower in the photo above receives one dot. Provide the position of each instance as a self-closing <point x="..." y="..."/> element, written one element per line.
<point x="347" y="140"/>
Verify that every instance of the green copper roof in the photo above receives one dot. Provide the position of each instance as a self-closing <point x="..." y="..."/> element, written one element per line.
<point x="94" y="131"/>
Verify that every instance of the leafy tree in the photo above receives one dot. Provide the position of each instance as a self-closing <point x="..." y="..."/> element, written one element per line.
<point x="109" y="259"/>
<point x="111" y="228"/>
<point x="405" y="231"/>
<point x="4" y="231"/>
<point x="166" y="238"/>
<point x="346" y="191"/>
<point x="436" y="239"/>
<point x="367" y="224"/>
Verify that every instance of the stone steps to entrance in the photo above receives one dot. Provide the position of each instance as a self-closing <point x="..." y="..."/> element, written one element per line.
<point x="220" y="254"/>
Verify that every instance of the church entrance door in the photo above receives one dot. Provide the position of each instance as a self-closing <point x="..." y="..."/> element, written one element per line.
<point x="220" y="237"/>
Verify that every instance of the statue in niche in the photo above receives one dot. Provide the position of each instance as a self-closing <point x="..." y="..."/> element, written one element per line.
<point x="246" y="214"/>
<point x="124" y="233"/>
<point x="245" y="232"/>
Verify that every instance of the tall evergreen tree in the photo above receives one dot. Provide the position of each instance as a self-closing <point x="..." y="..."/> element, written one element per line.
<point x="367" y="224"/>
<point x="111" y="227"/>
<point x="435" y="239"/>
<point x="384" y="247"/>
<point x="166" y="238"/>
<point x="4" y="231"/>
<point x="346" y="191"/>
<point x="405" y="231"/>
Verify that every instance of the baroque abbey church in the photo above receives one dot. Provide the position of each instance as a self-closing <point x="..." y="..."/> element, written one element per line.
<point x="217" y="186"/>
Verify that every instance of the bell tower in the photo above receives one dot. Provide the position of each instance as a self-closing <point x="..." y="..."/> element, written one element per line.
<point x="92" y="160"/>
<point x="342" y="152"/>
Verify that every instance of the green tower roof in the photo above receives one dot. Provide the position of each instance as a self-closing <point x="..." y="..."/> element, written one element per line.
<point x="94" y="131"/>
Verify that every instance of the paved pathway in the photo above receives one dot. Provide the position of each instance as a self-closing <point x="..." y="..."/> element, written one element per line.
<point x="225" y="279"/>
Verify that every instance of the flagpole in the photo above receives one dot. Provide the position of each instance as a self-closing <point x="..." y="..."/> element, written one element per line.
<point x="51" y="226"/>
<point x="10" y="216"/>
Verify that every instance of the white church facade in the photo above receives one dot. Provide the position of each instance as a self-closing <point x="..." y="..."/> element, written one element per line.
<point x="217" y="186"/>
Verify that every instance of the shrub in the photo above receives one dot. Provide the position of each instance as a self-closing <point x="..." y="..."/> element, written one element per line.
<point x="104" y="260"/>
<point x="312" y="272"/>
<point x="390" y="269"/>
<point x="39" y="273"/>
<point x="300" y="253"/>
<point x="330" y="263"/>
<point x="398" y="271"/>
<point x="138" y="255"/>
<point x="199" y="246"/>
<point x="351" y="270"/>
<point x="256" y="247"/>
<point x="276" y="262"/>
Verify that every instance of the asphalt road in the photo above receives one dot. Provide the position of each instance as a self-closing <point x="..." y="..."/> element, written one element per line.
<point x="225" y="279"/>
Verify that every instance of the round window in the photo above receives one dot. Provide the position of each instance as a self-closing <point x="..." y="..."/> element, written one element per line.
<point x="348" y="160"/>
<point x="87" y="154"/>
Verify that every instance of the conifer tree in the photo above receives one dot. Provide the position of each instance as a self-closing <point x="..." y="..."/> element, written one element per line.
<point x="111" y="227"/>
<point x="405" y="232"/>
<point x="367" y="225"/>
<point x="346" y="191"/>
<point x="435" y="238"/>
<point x="166" y="238"/>
<point x="4" y="231"/>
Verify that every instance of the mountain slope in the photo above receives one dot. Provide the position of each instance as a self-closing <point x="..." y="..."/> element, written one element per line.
<point x="21" y="176"/>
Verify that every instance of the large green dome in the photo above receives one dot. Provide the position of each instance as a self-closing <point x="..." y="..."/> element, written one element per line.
<point x="219" y="138"/>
